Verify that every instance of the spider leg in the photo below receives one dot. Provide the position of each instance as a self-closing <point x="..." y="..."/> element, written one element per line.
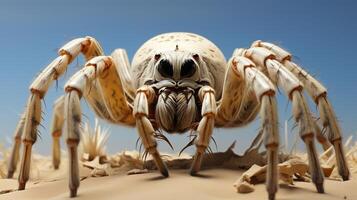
<point x="144" y="96"/>
<point x="32" y="120"/>
<point x="15" y="153"/>
<point x="205" y="126"/>
<point x="293" y="88"/>
<point x="265" y="93"/>
<point x="248" y="91"/>
<point x="32" y="115"/>
<point x="72" y="112"/>
<point x="102" y="69"/>
<point x="96" y="102"/>
<point x="319" y="94"/>
<point x="56" y="130"/>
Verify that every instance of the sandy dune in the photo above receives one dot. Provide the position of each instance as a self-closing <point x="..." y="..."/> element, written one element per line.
<point x="213" y="184"/>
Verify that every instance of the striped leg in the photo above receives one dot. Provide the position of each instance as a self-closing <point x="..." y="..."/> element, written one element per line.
<point x="319" y="94"/>
<point x="32" y="120"/>
<point x="283" y="78"/>
<point x="15" y="153"/>
<point x="56" y="130"/>
<point x="144" y="97"/>
<point x="103" y="70"/>
<point x="242" y="71"/>
<point x="205" y="126"/>
<point x="32" y="115"/>
<point x="72" y="113"/>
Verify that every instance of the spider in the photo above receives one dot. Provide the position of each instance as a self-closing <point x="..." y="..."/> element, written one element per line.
<point x="175" y="83"/>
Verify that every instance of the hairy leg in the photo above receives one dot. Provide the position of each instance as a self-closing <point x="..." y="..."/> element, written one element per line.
<point x="292" y="87"/>
<point x="243" y="71"/>
<point x="319" y="94"/>
<point x="143" y="98"/>
<point x="32" y="115"/>
<point x="103" y="70"/>
<point x="205" y="126"/>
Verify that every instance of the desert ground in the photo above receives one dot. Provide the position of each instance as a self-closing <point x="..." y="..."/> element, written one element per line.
<point x="213" y="184"/>
<point x="126" y="176"/>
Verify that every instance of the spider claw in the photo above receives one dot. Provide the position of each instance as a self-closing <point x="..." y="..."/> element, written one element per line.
<point x="160" y="164"/>
<point x="22" y="185"/>
<point x="141" y="145"/>
<point x="161" y="136"/>
<point x="189" y="144"/>
<point x="73" y="192"/>
<point x="164" y="172"/>
<point x="272" y="196"/>
<point x="215" y="143"/>
<point x="345" y="178"/>
<point x="196" y="164"/>
<point x="137" y="143"/>
<point x="320" y="188"/>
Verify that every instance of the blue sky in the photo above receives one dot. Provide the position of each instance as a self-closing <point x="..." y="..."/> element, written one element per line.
<point x="321" y="34"/>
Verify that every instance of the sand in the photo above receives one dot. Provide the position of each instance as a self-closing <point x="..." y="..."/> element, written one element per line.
<point x="212" y="184"/>
<point x="216" y="183"/>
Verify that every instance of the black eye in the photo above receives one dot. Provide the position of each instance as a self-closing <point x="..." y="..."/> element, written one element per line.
<point x="165" y="69"/>
<point x="188" y="69"/>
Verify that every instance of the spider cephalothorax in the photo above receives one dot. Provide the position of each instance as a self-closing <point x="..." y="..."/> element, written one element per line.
<point x="179" y="82"/>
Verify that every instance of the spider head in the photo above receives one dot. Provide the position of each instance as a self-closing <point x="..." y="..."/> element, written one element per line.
<point x="177" y="66"/>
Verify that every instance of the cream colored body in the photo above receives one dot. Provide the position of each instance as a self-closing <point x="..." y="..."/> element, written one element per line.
<point x="228" y="94"/>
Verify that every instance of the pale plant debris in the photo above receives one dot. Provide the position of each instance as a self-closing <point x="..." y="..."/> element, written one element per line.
<point x="93" y="141"/>
<point x="137" y="171"/>
<point x="131" y="160"/>
<point x="290" y="170"/>
<point x="296" y="168"/>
